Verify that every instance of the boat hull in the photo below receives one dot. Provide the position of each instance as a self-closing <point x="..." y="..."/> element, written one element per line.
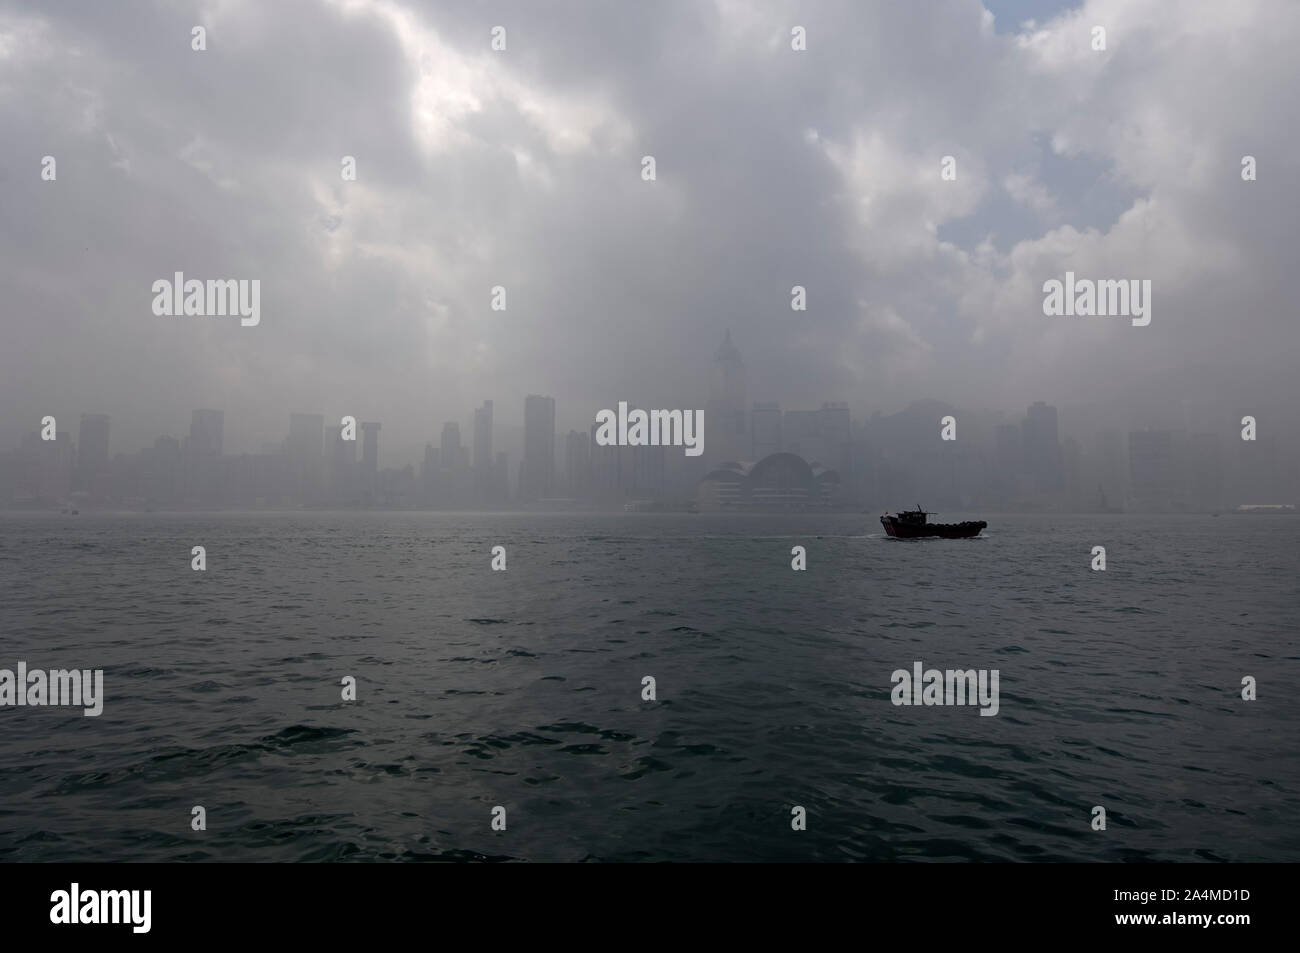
<point x="899" y="530"/>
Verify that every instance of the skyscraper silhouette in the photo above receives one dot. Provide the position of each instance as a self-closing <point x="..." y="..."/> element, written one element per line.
<point x="484" y="482"/>
<point x="726" y="427"/>
<point x="370" y="460"/>
<point x="537" y="471"/>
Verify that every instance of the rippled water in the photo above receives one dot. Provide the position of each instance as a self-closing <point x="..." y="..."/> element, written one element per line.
<point x="523" y="688"/>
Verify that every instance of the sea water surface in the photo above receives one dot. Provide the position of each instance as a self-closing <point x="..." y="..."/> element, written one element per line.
<point x="523" y="689"/>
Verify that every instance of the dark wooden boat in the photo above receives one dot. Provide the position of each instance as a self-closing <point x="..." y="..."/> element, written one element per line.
<point x="914" y="524"/>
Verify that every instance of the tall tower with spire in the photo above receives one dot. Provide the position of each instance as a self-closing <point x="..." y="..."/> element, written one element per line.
<point x="726" y="431"/>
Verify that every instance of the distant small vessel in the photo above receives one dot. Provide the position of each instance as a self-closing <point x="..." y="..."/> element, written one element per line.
<point x="914" y="524"/>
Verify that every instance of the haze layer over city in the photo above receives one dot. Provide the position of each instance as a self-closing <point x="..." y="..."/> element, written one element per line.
<point x="851" y="216"/>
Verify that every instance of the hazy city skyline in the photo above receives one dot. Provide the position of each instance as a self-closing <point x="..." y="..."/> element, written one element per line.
<point x="1095" y="463"/>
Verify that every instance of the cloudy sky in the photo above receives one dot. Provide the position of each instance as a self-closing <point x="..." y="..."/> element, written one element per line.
<point x="522" y="168"/>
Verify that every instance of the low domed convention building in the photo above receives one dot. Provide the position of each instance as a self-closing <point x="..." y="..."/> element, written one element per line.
<point x="778" y="481"/>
